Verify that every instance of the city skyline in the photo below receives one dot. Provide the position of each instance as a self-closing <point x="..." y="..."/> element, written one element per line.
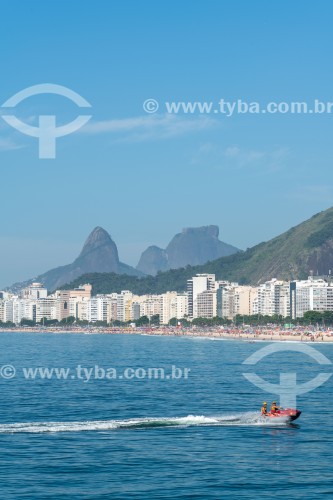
<point x="205" y="298"/>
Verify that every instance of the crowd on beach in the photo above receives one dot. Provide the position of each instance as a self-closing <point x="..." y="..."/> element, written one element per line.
<point x="244" y="332"/>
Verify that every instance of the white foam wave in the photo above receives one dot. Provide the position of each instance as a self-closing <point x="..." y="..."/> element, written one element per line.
<point x="241" y="419"/>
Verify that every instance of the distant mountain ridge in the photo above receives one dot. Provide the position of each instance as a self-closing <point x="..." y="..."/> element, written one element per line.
<point x="292" y="255"/>
<point x="99" y="254"/>
<point x="193" y="246"/>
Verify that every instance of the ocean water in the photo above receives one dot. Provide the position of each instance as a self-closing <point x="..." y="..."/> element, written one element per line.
<point x="199" y="437"/>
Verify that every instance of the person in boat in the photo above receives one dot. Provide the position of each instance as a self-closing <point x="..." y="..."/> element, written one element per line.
<point x="274" y="408"/>
<point x="264" y="409"/>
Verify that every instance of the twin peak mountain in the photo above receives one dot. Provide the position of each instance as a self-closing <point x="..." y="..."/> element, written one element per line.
<point x="192" y="246"/>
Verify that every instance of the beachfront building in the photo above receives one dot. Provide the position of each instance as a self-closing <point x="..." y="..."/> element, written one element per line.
<point x="224" y="301"/>
<point x="282" y="298"/>
<point x="274" y="298"/>
<point x="150" y="305"/>
<point x="206" y="304"/>
<point x="106" y="307"/>
<point x="45" y="309"/>
<point x="77" y="296"/>
<point x="245" y="298"/>
<point x="313" y="294"/>
<point x="114" y="305"/>
<point x="135" y="311"/>
<point x="81" y="310"/>
<point x="23" y="309"/>
<point x="124" y="305"/>
<point x="67" y="300"/>
<point x="16" y="309"/>
<point x="198" y="284"/>
<point x="99" y="309"/>
<point x="182" y="305"/>
<point x="167" y="307"/>
<point x="234" y="299"/>
<point x="173" y="305"/>
<point x="8" y="311"/>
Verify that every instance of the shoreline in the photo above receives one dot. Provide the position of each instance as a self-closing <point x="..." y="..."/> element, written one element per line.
<point x="266" y="335"/>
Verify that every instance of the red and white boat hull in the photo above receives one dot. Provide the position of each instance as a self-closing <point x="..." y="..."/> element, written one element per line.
<point x="291" y="413"/>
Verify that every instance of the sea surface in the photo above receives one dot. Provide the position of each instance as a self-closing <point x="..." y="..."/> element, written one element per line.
<point x="194" y="437"/>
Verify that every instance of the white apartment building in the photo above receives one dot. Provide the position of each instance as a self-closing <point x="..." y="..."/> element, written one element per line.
<point x="274" y="298"/>
<point x="198" y="284"/>
<point x="182" y="305"/>
<point x="23" y="309"/>
<point x="45" y="309"/>
<point x="6" y="310"/>
<point x="99" y="309"/>
<point x="167" y="307"/>
<point x="124" y="305"/>
<point x="310" y="295"/>
<point x="282" y="298"/>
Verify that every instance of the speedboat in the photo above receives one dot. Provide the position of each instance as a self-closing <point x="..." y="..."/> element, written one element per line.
<point x="290" y="413"/>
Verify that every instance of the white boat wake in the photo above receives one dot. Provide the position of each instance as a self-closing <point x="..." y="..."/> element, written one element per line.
<point x="240" y="419"/>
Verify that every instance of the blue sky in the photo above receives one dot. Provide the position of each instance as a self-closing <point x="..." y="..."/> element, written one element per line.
<point x="144" y="177"/>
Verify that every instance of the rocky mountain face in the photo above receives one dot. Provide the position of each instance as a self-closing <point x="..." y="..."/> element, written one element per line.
<point x="152" y="260"/>
<point x="193" y="246"/>
<point x="99" y="254"/>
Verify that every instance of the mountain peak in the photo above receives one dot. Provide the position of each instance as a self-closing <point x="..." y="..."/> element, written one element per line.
<point x="97" y="238"/>
<point x="99" y="229"/>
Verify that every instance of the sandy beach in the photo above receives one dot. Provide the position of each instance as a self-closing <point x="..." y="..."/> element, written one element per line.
<point x="273" y="334"/>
